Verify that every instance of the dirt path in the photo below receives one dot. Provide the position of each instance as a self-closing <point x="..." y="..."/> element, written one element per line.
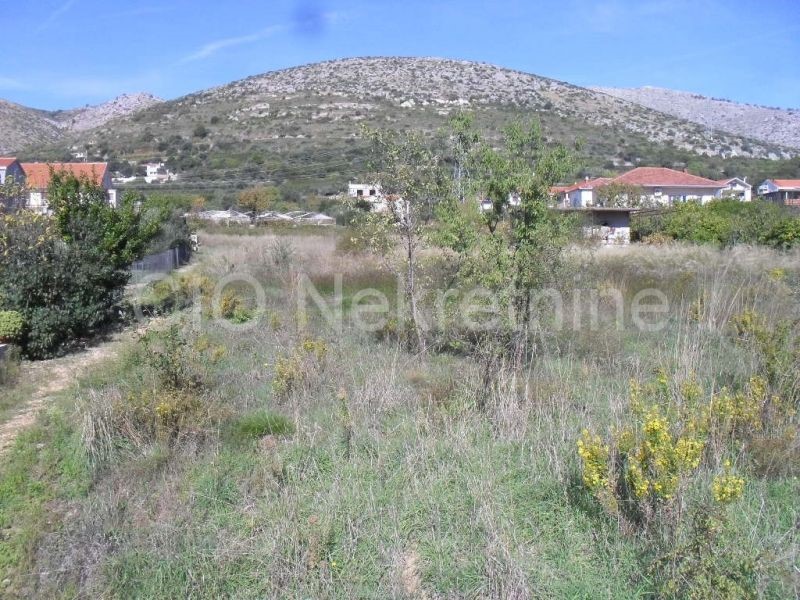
<point x="51" y="377"/>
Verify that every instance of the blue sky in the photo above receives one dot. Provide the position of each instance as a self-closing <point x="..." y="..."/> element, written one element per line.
<point x="65" y="53"/>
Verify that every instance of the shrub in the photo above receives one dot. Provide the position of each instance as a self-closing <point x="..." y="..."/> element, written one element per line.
<point x="658" y="239"/>
<point x="162" y="412"/>
<point x="647" y="464"/>
<point x="777" y="346"/>
<point x="172" y="359"/>
<point x="784" y="235"/>
<point x="176" y="293"/>
<point x="11" y="326"/>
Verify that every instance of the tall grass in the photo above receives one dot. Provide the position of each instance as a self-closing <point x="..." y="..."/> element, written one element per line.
<point x="382" y="478"/>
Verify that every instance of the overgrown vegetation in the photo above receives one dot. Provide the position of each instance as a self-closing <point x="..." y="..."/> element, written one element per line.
<point x="724" y="223"/>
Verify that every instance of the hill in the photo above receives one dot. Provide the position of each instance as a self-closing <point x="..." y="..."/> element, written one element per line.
<point x="22" y="127"/>
<point x="301" y="126"/>
<point x="770" y="125"/>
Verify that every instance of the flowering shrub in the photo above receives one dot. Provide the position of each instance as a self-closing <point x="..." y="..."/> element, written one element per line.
<point x="647" y="464"/>
<point x="298" y="369"/>
<point x="727" y="486"/>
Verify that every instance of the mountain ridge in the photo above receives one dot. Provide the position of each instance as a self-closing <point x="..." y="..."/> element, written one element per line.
<point x="780" y="126"/>
<point x="303" y="123"/>
<point x="22" y="126"/>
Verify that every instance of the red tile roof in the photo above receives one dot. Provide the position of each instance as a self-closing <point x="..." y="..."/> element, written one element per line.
<point x="37" y="175"/>
<point x="7" y="161"/>
<point x="663" y="177"/>
<point x="588" y="184"/>
<point x="787" y="183"/>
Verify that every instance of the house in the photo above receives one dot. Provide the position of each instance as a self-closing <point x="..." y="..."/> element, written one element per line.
<point x="662" y="186"/>
<point x="659" y="185"/>
<point x="736" y="189"/>
<point x="609" y="225"/>
<point x="10" y="167"/>
<point x="38" y="176"/>
<point x="581" y="194"/>
<point x="781" y="191"/>
<point x="363" y="190"/>
<point x="157" y="172"/>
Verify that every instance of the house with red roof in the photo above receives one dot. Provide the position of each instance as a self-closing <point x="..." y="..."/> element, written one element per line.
<point x="39" y="175"/>
<point x="659" y="185"/>
<point x="662" y="186"/>
<point x="781" y="191"/>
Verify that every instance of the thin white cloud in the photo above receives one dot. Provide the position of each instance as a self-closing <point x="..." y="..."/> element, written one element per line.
<point x="211" y="48"/>
<point x="53" y="16"/>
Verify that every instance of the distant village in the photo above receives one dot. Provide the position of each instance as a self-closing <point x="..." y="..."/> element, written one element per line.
<point x="641" y="188"/>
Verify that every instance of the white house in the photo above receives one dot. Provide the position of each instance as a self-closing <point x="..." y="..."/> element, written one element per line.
<point x="782" y="191"/>
<point x="157" y="172"/>
<point x="736" y="188"/>
<point x="363" y="190"/>
<point x="370" y="192"/>
<point x="659" y="185"/>
<point x="38" y="176"/>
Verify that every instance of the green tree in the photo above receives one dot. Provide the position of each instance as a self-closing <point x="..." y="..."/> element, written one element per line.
<point x="518" y="247"/>
<point x="259" y="199"/>
<point x="66" y="273"/>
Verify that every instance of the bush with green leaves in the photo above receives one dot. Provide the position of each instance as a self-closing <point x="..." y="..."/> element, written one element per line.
<point x="11" y="325"/>
<point x="66" y="273"/>
<point x="724" y="223"/>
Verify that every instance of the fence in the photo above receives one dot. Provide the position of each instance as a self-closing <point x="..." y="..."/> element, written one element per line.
<point x="162" y="262"/>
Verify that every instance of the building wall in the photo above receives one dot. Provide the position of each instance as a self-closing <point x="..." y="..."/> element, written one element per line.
<point x="672" y="195"/>
<point x="580" y="198"/>
<point x="12" y="170"/>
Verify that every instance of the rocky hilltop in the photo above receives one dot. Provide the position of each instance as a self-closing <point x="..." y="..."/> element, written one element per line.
<point x="21" y="127"/>
<point x="771" y="125"/>
<point x="90" y="117"/>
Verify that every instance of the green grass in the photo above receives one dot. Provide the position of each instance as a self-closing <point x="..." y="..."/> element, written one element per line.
<point x="259" y="424"/>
